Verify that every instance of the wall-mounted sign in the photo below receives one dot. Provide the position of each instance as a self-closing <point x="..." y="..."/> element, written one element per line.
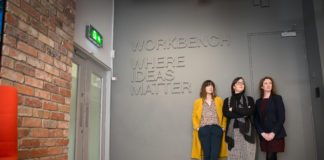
<point x="94" y="36"/>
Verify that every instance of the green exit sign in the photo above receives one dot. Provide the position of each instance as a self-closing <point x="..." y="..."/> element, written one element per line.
<point x="94" y="36"/>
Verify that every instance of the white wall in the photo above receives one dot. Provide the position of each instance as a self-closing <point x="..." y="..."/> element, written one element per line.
<point x="98" y="13"/>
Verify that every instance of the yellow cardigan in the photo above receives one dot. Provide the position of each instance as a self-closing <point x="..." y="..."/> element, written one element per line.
<point x="196" y="117"/>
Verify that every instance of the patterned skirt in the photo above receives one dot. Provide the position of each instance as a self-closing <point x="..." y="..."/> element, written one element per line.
<point x="242" y="150"/>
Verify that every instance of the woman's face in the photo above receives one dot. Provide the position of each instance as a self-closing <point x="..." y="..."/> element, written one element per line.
<point x="239" y="86"/>
<point x="209" y="89"/>
<point x="267" y="85"/>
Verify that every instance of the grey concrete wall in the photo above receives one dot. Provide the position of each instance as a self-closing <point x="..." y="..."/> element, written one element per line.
<point x="182" y="43"/>
<point x="313" y="18"/>
<point x="98" y="13"/>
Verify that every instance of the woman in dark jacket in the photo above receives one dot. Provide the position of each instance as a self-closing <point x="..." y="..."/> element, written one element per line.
<point x="269" y="119"/>
<point x="240" y="134"/>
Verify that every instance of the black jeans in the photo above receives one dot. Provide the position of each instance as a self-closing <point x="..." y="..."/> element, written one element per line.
<point x="210" y="137"/>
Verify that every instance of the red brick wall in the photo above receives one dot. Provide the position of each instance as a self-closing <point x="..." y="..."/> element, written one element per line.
<point x="37" y="59"/>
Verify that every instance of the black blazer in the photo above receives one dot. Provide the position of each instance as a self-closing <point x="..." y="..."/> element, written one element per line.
<point x="274" y="117"/>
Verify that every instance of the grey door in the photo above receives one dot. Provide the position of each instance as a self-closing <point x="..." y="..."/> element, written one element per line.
<point x="87" y="118"/>
<point x="284" y="59"/>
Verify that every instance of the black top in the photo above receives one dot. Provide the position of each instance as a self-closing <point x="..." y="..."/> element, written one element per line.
<point x="245" y="112"/>
<point x="274" y="117"/>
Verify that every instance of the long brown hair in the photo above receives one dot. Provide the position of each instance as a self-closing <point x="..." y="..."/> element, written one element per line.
<point x="273" y="90"/>
<point x="203" y="93"/>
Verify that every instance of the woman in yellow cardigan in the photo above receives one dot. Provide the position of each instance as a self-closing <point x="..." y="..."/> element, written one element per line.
<point x="208" y="125"/>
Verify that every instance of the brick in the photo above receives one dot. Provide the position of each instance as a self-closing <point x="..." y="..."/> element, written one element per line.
<point x="20" y="99"/>
<point x="46" y="40"/>
<point x="28" y="29"/>
<point x="39" y="133"/>
<point x="48" y="142"/>
<point x="59" y="64"/>
<point x="19" y="122"/>
<point x="41" y="152"/>
<point x="40" y="113"/>
<point x="49" y="124"/>
<point x="18" y="12"/>
<point x="52" y="52"/>
<point x="11" y="75"/>
<point x="51" y="88"/>
<point x="67" y="100"/>
<point x="26" y="69"/>
<point x="61" y="49"/>
<point x="6" y="82"/>
<point x="7" y="62"/>
<point x="45" y="58"/>
<point x="36" y="43"/>
<point x="29" y="143"/>
<point x="68" y="28"/>
<point x="23" y="132"/>
<point x="69" y="69"/>
<point x="23" y="154"/>
<point x="64" y="108"/>
<point x="9" y="40"/>
<point x="44" y="76"/>
<point x="62" y="33"/>
<point x="62" y="83"/>
<point x="68" y="45"/>
<point x="50" y="106"/>
<point x="66" y="133"/>
<point x="57" y="116"/>
<point x="13" y="53"/>
<point x="66" y="76"/>
<point x="25" y="111"/>
<point x="11" y="19"/>
<point x="55" y="150"/>
<point x="56" y="133"/>
<point x="30" y="10"/>
<point x="57" y="98"/>
<point x="31" y="122"/>
<point x="32" y="102"/>
<point x="39" y="7"/>
<point x="34" y="82"/>
<point x="27" y="49"/>
<point x="35" y="63"/>
<point x="63" y="124"/>
<point x="42" y="94"/>
<point x="65" y="92"/>
<point x="38" y="26"/>
<point x="62" y="157"/>
<point x="66" y="117"/>
<point x="52" y="70"/>
<point x="62" y="142"/>
<point x="22" y="89"/>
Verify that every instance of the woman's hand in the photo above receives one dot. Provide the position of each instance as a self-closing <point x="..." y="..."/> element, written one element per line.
<point x="230" y="109"/>
<point x="271" y="136"/>
<point x="197" y="129"/>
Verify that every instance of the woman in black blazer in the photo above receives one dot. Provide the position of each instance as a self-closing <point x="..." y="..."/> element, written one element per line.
<point x="269" y="119"/>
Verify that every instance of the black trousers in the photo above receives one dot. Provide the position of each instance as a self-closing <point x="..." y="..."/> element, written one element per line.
<point x="210" y="137"/>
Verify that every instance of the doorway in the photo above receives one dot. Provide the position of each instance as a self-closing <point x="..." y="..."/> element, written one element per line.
<point x="284" y="59"/>
<point x="88" y="108"/>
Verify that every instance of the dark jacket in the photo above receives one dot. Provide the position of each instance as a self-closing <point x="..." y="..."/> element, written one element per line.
<point x="274" y="117"/>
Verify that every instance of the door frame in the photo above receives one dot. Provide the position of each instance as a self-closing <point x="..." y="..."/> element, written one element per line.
<point x="83" y="56"/>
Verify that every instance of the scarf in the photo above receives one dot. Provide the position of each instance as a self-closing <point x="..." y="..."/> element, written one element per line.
<point x="244" y="123"/>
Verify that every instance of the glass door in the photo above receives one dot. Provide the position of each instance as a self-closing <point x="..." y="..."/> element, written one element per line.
<point x="87" y="109"/>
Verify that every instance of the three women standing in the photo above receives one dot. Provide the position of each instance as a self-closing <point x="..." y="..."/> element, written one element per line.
<point x="240" y="133"/>
<point x="208" y="125"/>
<point x="269" y="119"/>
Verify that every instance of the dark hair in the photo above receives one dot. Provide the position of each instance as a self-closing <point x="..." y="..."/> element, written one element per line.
<point x="234" y="82"/>
<point x="203" y="93"/>
<point x="273" y="90"/>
